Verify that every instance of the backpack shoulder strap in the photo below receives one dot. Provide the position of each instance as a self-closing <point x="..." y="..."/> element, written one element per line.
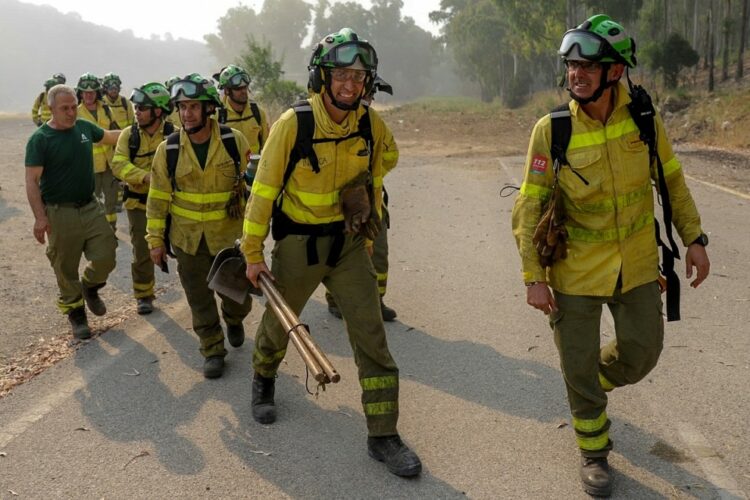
<point x="230" y="144"/>
<point x="107" y="111"/>
<point x="134" y="141"/>
<point x="173" y="154"/>
<point x="255" y="110"/>
<point x="221" y="115"/>
<point x="562" y="129"/>
<point x="168" y="128"/>
<point x="40" y="99"/>
<point x="303" y="144"/>
<point x="365" y="131"/>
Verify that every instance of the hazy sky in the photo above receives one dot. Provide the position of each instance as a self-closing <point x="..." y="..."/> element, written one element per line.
<point x="183" y="20"/>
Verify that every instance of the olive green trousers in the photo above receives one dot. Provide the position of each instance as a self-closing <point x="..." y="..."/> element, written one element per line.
<point x="353" y="285"/>
<point x="590" y="371"/>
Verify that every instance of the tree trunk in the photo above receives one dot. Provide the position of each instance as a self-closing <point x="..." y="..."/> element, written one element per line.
<point x="743" y="36"/>
<point x="711" y="32"/>
<point x="727" y="31"/>
<point x="666" y="31"/>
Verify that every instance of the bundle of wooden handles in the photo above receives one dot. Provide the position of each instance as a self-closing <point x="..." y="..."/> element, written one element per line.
<point x="317" y="362"/>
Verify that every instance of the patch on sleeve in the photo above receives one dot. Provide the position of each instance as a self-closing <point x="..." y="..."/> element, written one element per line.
<point x="539" y="164"/>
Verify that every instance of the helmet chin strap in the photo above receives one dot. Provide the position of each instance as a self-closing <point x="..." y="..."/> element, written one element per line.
<point x="342" y="106"/>
<point x="603" y="85"/>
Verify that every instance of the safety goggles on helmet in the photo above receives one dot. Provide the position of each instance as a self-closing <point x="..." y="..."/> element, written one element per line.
<point x="238" y="80"/>
<point x="347" y="53"/>
<point x="138" y="97"/>
<point x="188" y="88"/>
<point x="88" y="85"/>
<point x="590" y="46"/>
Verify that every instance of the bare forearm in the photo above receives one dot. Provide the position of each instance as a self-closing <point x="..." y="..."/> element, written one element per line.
<point x="34" y="194"/>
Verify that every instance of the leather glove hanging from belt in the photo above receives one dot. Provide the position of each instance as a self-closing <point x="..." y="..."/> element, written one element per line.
<point x="550" y="236"/>
<point x="360" y="215"/>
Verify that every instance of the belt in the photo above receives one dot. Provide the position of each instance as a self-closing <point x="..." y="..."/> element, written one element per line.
<point x="73" y="204"/>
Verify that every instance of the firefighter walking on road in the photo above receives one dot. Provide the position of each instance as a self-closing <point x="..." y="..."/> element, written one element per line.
<point x="320" y="179"/>
<point x="132" y="164"/>
<point x="197" y="183"/>
<point x="601" y="202"/>
<point x="40" y="112"/>
<point x="92" y="109"/>
<point x="239" y="111"/>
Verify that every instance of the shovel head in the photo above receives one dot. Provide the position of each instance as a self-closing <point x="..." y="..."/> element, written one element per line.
<point x="230" y="280"/>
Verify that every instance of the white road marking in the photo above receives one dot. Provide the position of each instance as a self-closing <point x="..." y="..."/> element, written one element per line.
<point x="720" y="188"/>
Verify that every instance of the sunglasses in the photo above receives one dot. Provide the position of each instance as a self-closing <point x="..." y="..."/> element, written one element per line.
<point x="587" y="66"/>
<point x="88" y="85"/>
<point x="342" y="75"/>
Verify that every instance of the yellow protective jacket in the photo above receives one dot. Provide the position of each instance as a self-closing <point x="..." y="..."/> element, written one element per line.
<point x="255" y="133"/>
<point x="310" y="198"/>
<point x="198" y="206"/>
<point x="40" y="112"/>
<point x="134" y="173"/>
<point x="102" y="153"/>
<point x="122" y="111"/>
<point x="610" y="221"/>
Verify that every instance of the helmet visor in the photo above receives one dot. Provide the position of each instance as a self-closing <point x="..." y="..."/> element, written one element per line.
<point x="590" y="46"/>
<point x="238" y="80"/>
<point x="347" y="53"/>
<point x="187" y="88"/>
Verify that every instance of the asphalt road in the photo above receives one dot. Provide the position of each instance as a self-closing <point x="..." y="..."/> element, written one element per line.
<point x="482" y="400"/>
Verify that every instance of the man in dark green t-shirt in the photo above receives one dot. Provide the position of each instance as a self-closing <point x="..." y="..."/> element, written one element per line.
<point x="60" y="187"/>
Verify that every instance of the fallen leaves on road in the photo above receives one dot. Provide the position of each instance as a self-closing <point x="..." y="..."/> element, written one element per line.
<point x="134" y="374"/>
<point x="143" y="453"/>
<point x="562" y="424"/>
<point x="40" y="355"/>
<point x="261" y="452"/>
<point x="84" y="429"/>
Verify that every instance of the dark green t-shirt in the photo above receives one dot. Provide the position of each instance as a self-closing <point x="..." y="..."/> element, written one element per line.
<point x="201" y="152"/>
<point x="68" y="161"/>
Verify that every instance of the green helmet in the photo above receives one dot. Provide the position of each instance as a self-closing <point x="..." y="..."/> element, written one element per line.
<point x="111" y="79"/>
<point x="233" y="76"/>
<point x="152" y="94"/>
<point x="88" y="81"/>
<point x="599" y="39"/>
<point x="194" y="87"/>
<point x="344" y="49"/>
<point x="171" y="81"/>
<point x="48" y="84"/>
<point x="59" y="78"/>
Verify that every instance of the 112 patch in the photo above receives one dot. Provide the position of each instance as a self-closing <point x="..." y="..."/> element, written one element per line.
<point x="539" y="164"/>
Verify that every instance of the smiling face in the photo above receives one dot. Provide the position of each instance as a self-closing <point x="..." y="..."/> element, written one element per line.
<point x="584" y="77"/>
<point x="347" y="84"/>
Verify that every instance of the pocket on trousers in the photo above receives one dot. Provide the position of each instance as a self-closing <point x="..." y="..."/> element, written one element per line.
<point x="555" y="317"/>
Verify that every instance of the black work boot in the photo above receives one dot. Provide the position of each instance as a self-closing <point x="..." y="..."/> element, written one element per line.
<point x="236" y="335"/>
<point x="145" y="305"/>
<point x="399" y="459"/>
<point x="213" y="366"/>
<point x="264" y="409"/>
<point x="93" y="301"/>
<point x="79" y="323"/>
<point x="595" y="476"/>
<point x="388" y="313"/>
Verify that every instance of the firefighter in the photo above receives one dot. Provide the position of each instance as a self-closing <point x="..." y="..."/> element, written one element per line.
<point x="91" y="108"/>
<point x="40" y="111"/>
<point x="60" y="189"/>
<point x="324" y="209"/>
<point x="132" y="164"/>
<point x="612" y="259"/>
<point x="197" y="183"/>
<point x="122" y="112"/>
<point x="239" y="111"/>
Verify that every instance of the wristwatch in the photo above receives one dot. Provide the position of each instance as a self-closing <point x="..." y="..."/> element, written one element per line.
<point x="702" y="240"/>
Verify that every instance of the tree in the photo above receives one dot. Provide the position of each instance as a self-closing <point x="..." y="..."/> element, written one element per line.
<point x="266" y="76"/>
<point x="743" y="37"/>
<point x="670" y="57"/>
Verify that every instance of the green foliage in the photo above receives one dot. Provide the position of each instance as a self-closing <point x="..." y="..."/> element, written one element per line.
<point x="266" y="76"/>
<point x="670" y="57"/>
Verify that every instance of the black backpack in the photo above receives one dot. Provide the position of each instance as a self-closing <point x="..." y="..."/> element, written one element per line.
<point x="134" y="141"/>
<point x="642" y="112"/>
<point x="222" y="118"/>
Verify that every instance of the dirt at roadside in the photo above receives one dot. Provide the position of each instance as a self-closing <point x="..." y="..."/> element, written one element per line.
<point x="33" y="335"/>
